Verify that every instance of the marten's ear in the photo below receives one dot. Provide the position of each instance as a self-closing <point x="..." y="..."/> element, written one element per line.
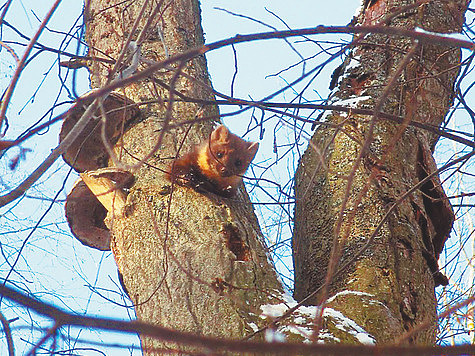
<point x="252" y="150"/>
<point x="221" y="133"/>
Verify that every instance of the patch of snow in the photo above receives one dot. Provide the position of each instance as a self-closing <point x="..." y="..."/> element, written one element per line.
<point x="273" y="310"/>
<point x="277" y="310"/>
<point x="323" y="336"/>
<point x="272" y="335"/>
<point x="304" y="331"/>
<point x="348" y="292"/>
<point x="358" y="9"/>
<point x="451" y="35"/>
<point x="354" y="63"/>
<point x="302" y="317"/>
<point x="351" y="102"/>
<point x="253" y="327"/>
<point x="305" y="315"/>
<point x="349" y="326"/>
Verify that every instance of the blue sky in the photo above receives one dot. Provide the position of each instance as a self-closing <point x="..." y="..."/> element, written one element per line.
<point x="54" y="265"/>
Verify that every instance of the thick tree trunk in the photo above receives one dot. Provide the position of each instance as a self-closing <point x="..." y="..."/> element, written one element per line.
<point x="189" y="261"/>
<point x="390" y="287"/>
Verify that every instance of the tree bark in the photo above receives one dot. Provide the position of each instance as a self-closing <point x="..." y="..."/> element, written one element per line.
<point x="358" y="167"/>
<point x="188" y="261"/>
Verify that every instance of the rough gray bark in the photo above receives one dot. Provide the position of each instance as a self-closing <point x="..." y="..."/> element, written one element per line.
<point x="390" y="287"/>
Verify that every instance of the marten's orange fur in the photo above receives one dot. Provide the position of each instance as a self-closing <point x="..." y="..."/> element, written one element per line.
<point x="216" y="165"/>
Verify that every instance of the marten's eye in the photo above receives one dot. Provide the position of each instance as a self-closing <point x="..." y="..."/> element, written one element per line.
<point x="219" y="154"/>
<point x="238" y="163"/>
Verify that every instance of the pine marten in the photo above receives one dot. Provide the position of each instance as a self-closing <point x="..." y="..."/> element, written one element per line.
<point x="216" y="165"/>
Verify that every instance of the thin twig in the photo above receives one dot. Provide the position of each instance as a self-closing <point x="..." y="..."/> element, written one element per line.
<point x="49" y="334"/>
<point x="8" y="334"/>
<point x="19" y="68"/>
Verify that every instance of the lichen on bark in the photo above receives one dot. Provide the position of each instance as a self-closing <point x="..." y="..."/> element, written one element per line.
<point x="398" y="266"/>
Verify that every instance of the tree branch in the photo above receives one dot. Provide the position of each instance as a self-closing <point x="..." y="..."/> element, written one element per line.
<point x="64" y="318"/>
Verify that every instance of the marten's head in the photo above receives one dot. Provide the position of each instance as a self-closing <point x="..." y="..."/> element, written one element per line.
<point x="228" y="154"/>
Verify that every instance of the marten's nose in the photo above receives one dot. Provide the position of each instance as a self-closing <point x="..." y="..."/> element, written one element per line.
<point x="224" y="172"/>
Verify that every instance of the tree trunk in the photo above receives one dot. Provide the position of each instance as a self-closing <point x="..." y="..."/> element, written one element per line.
<point x="358" y="167"/>
<point x="188" y="261"/>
